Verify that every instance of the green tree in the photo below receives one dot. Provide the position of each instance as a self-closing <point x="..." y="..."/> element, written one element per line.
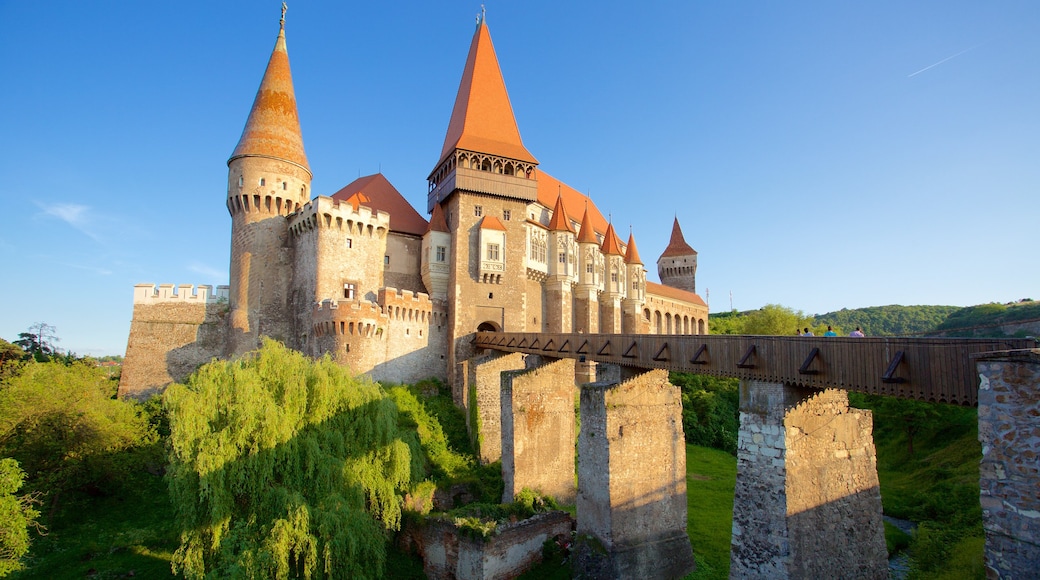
<point x="39" y="341"/>
<point x="10" y="356"/>
<point x="282" y="466"/>
<point x="776" y="320"/>
<point x="66" y="429"/>
<point x="17" y="516"/>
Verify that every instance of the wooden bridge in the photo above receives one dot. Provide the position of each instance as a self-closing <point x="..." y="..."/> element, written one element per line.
<point x="928" y="369"/>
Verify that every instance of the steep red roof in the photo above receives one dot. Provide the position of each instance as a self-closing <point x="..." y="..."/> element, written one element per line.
<point x="587" y="234"/>
<point x="560" y="221"/>
<point x="437" y="221"/>
<point x="631" y="253"/>
<point x="491" y="223"/>
<point x="574" y="202"/>
<point x="673" y="293"/>
<point x="273" y="126"/>
<point x="611" y="245"/>
<point x="677" y="245"/>
<point x="482" y="119"/>
<point x="383" y="196"/>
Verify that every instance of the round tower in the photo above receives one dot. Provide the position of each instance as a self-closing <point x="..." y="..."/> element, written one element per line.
<point x="268" y="179"/>
<point x="677" y="266"/>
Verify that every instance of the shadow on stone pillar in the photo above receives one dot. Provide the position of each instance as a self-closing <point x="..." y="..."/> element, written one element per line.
<point x="1009" y="473"/>
<point x="538" y="430"/>
<point x="483" y="401"/>
<point x="632" y="481"/>
<point x="807" y="503"/>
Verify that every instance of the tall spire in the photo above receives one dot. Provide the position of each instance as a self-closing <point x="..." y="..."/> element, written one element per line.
<point x="611" y="246"/>
<point x="482" y="119"/>
<point x="586" y="234"/>
<point x="677" y="245"/>
<point x="273" y="127"/>
<point x="560" y="222"/>
<point x="631" y="253"/>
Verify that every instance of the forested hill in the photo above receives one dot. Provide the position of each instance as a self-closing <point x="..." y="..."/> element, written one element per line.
<point x="893" y="320"/>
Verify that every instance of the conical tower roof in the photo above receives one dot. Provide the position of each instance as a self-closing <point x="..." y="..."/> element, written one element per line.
<point x="677" y="245"/>
<point x="482" y="119"/>
<point x="273" y="127"/>
<point x="437" y="221"/>
<point x="560" y="221"/>
<point x="611" y="246"/>
<point x="631" y="253"/>
<point x="587" y="234"/>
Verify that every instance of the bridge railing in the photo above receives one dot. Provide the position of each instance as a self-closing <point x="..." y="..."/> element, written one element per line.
<point x="928" y="369"/>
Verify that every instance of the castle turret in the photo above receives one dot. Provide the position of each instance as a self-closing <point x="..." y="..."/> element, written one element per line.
<point x="590" y="267"/>
<point x="632" y="319"/>
<point x="562" y="264"/>
<point x="677" y="266"/>
<point x="614" y="283"/>
<point x="268" y="178"/>
<point x="436" y="255"/>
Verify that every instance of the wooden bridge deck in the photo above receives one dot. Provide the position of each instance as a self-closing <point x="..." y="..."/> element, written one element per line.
<point x="928" y="369"/>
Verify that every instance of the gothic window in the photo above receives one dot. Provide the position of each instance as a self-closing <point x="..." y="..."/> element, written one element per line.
<point x="478" y="210"/>
<point x="563" y="257"/>
<point x="492" y="252"/>
<point x="441" y="253"/>
<point x="588" y="267"/>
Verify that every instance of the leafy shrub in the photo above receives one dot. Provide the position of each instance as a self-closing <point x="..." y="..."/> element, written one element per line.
<point x="17" y="516"/>
<point x="711" y="410"/>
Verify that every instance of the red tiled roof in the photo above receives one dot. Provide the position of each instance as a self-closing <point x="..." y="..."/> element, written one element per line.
<point x="574" y="202"/>
<point x="587" y="233"/>
<point x="611" y="245"/>
<point x="631" y="253"/>
<point x="273" y="126"/>
<point x="673" y="293"/>
<point x="482" y="119"/>
<point x="677" y="245"/>
<point x="560" y="221"/>
<point x="383" y="196"/>
<point x="491" y="223"/>
<point x="437" y="221"/>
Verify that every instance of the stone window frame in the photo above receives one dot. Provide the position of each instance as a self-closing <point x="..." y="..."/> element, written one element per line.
<point x="441" y="253"/>
<point x="493" y="253"/>
<point x="350" y="290"/>
<point x="478" y="210"/>
<point x="506" y="214"/>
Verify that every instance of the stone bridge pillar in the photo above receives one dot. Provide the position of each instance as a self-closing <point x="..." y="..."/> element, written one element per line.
<point x="632" y="481"/>
<point x="538" y="430"/>
<point x="1009" y="474"/>
<point x="483" y="404"/>
<point x="807" y="502"/>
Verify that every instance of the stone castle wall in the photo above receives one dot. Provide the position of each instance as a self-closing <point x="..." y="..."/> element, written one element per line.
<point x="171" y="335"/>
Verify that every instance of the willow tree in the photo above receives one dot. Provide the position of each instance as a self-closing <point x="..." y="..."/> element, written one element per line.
<point x="281" y="467"/>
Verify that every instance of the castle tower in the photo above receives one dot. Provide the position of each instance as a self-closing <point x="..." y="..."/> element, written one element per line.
<point x="613" y="283"/>
<point x="632" y="319"/>
<point x="562" y="264"/>
<point x="677" y="266"/>
<point x="483" y="172"/>
<point x="586" y="291"/>
<point x="268" y="178"/>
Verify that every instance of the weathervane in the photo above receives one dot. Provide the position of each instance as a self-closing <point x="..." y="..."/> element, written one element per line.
<point x="482" y="15"/>
<point x="282" y="21"/>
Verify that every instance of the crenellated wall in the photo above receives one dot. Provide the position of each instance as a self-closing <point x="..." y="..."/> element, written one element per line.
<point x="174" y="330"/>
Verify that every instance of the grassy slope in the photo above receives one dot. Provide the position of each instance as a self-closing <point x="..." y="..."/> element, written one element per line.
<point x="710" y="477"/>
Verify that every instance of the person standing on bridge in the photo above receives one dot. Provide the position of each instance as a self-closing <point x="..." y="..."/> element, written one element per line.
<point x="807" y="332"/>
<point x="830" y="331"/>
<point x="856" y="333"/>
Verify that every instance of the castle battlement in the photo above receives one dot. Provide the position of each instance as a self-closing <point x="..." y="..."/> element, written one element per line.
<point x="325" y="212"/>
<point x="189" y="293"/>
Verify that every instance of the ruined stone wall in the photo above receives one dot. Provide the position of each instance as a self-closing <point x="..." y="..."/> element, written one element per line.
<point x="1009" y="474"/>
<point x="807" y="503"/>
<point x="513" y="549"/>
<point x="538" y="431"/>
<point x="536" y="311"/>
<point x="483" y="401"/>
<point x="632" y="480"/>
<point x="171" y="335"/>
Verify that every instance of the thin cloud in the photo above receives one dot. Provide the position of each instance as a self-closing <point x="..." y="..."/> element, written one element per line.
<point x="94" y="269"/>
<point x="951" y="57"/>
<point x="78" y="216"/>
<point x="208" y="271"/>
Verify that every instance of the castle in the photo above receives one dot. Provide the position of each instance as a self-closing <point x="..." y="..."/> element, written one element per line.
<point x="362" y="276"/>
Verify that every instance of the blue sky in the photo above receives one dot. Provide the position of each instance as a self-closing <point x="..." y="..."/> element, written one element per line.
<point x="818" y="155"/>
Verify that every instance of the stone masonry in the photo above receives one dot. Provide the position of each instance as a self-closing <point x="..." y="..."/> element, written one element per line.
<point x="632" y="481"/>
<point x="807" y="501"/>
<point x="484" y="401"/>
<point x="1009" y="429"/>
<point x="538" y="431"/>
